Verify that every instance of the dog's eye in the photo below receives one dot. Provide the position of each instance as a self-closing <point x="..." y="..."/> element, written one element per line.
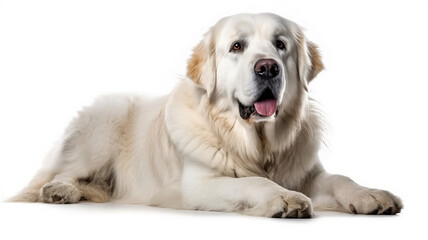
<point x="236" y="47"/>
<point x="280" y="44"/>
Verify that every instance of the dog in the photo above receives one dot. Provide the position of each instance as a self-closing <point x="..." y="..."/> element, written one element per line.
<point x="239" y="134"/>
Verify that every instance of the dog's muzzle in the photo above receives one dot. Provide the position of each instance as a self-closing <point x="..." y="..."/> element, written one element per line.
<point x="267" y="78"/>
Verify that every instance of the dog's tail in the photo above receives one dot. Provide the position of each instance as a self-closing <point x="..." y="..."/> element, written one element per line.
<point x="31" y="193"/>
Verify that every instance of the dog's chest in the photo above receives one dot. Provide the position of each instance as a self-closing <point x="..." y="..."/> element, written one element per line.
<point x="288" y="169"/>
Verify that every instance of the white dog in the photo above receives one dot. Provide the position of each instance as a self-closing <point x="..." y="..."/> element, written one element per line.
<point x="239" y="134"/>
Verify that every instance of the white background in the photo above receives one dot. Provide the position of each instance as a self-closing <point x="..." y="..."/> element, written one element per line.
<point x="56" y="56"/>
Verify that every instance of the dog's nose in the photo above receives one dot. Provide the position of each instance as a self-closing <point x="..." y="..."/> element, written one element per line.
<point x="266" y="68"/>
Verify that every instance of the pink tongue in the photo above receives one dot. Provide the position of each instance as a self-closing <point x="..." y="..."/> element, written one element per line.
<point x="266" y="107"/>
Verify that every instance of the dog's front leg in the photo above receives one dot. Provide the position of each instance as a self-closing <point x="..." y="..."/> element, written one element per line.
<point x="331" y="191"/>
<point x="204" y="189"/>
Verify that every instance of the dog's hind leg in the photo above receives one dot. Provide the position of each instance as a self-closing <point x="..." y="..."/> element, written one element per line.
<point x="82" y="166"/>
<point x="82" y="170"/>
<point x="70" y="188"/>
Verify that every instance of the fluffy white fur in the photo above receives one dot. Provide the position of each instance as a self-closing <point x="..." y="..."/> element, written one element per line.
<point x="191" y="149"/>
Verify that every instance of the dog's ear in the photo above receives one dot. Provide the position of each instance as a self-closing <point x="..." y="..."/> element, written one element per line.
<point x="310" y="63"/>
<point x="316" y="63"/>
<point x="201" y="67"/>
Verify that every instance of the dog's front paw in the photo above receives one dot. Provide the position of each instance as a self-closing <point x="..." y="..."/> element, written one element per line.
<point x="373" y="201"/>
<point x="288" y="204"/>
<point x="57" y="192"/>
<point x="297" y="205"/>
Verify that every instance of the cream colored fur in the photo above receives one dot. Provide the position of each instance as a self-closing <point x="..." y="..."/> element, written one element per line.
<point x="191" y="149"/>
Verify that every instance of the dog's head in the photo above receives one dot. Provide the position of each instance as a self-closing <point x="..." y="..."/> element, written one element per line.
<point x="254" y="64"/>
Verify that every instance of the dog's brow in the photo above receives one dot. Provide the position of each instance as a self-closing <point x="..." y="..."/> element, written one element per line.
<point x="242" y="36"/>
<point x="278" y="33"/>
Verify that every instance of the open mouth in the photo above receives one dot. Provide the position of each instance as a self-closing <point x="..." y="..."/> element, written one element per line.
<point x="265" y="106"/>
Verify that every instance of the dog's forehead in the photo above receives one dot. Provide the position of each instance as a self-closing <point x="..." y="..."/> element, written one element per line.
<point x="244" y="25"/>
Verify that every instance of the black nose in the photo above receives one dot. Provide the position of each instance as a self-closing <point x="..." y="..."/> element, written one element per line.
<point x="266" y="68"/>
